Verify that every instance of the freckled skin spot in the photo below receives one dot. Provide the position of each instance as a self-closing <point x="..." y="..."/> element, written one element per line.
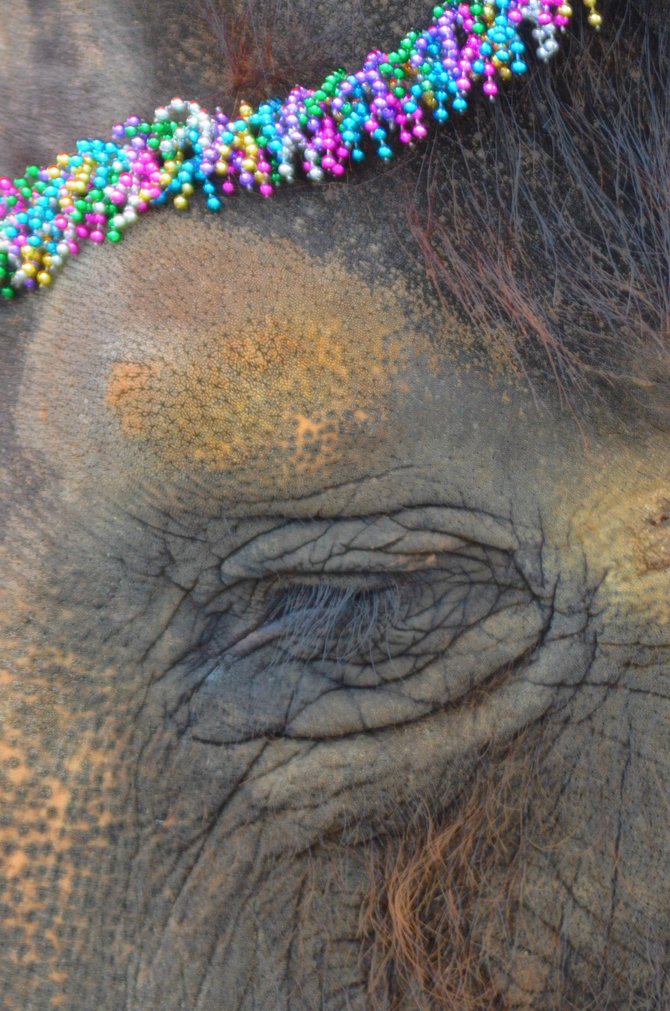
<point x="57" y="802"/>
<point x="296" y="360"/>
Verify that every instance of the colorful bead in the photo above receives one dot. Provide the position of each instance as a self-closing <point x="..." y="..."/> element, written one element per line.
<point x="96" y="192"/>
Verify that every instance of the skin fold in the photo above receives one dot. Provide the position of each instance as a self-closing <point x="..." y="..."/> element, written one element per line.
<point x="321" y="616"/>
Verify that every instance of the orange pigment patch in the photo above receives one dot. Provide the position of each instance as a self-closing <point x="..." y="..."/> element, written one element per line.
<point x="296" y="364"/>
<point x="57" y="800"/>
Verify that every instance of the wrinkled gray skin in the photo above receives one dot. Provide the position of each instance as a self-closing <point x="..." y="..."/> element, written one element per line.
<point x="201" y="424"/>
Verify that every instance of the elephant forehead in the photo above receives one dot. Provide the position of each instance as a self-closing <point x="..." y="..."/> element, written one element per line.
<point x="225" y="348"/>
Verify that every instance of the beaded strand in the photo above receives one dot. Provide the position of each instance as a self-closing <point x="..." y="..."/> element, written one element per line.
<point x="97" y="192"/>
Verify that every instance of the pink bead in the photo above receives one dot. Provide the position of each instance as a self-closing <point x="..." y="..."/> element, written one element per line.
<point x="515" y="16"/>
<point x="228" y="187"/>
<point x="82" y="231"/>
<point x="266" y="189"/>
<point x="419" y="131"/>
<point x="338" y="170"/>
<point x="97" y="236"/>
<point x="490" y="88"/>
<point x="73" y="247"/>
<point x="405" y="137"/>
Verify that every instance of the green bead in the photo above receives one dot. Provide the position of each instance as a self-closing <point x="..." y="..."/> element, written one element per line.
<point x="113" y="235"/>
<point x="476" y="9"/>
<point x="386" y="69"/>
<point x="145" y="128"/>
<point x="12" y="200"/>
<point x="154" y="142"/>
<point x="19" y="182"/>
<point x="438" y="11"/>
<point x="82" y="205"/>
<point x="7" y="292"/>
<point x="400" y="73"/>
<point x="3" y="273"/>
<point x="76" y="216"/>
<point x="26" y="191"/>
<point x="95" y="195"/>
<point x="398" y="91"/>
<point x="320" y="95"/>
<point x="479" y="29"/>
<point x="131" y="131"/>
<point x="33" y="170"/>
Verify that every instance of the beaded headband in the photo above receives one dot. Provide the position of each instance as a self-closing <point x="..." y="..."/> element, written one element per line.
<point x="96" y="193"/>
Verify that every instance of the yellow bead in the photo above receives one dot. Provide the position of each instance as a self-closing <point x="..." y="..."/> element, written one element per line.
<point x="62" y="159"/>
<point x="187" y="190"/>
<point x="53" y="172"/>
<point x="225" y="151"/>
<point x="44" y="278"/>
<point x="181" y="203"/>
<point x="565" y="10"/>
<point x="221" y="168"/>
<point x="144" y="195"/>
<point x="245" y="110"/>
<point x="594" y="20"/>
<point x="29" y="269"/>
<point x="505" y="73"/>
<point x="249" y="164"/>
<point x="260" y="177"/>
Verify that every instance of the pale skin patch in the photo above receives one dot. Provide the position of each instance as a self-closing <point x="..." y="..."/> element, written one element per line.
<point x="305" y="381"/>
<point x="296" y="363"/>
<point x="624" y="525"/>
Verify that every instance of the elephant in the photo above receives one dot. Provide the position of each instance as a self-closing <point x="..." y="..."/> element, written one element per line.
<point x="335" y="576"/>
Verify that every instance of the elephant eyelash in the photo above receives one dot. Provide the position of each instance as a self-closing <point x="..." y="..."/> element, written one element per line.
<point x="333" y="621"/>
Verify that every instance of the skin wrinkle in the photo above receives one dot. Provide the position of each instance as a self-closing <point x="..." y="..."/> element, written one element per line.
<point x="175" y="866"/>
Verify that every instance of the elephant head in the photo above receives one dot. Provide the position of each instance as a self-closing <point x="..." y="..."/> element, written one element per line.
<point x="336" y="561"/>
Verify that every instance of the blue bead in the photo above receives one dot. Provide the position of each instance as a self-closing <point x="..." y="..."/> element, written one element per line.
<point x="214" y="204"/>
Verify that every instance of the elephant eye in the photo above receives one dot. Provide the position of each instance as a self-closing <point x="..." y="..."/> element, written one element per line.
<point x="335" y="621"/>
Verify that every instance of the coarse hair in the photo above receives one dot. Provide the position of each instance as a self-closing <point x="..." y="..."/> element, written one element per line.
<point x="542" y="218"/>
